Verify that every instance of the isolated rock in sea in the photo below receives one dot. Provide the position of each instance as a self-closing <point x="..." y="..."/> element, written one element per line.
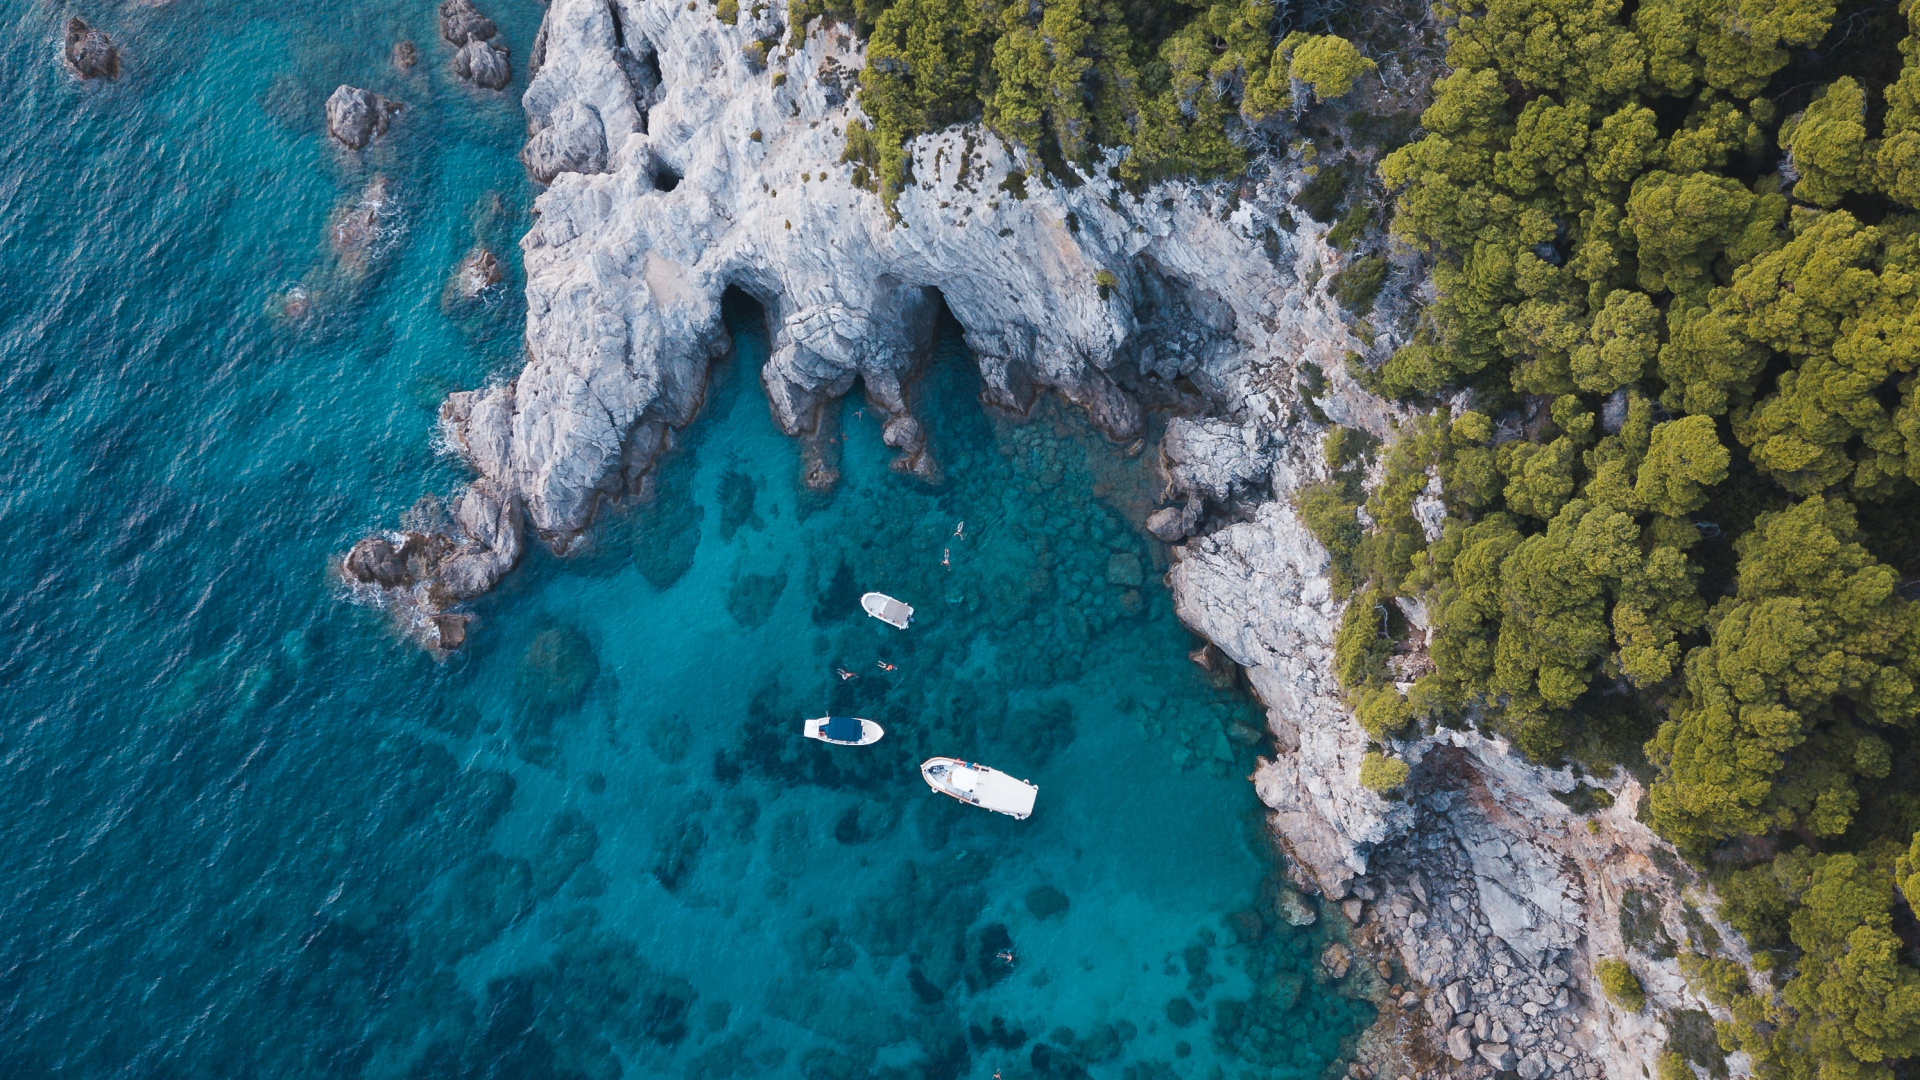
<point x="480" y="63"/>
<point x="90" y="52"/>
<point x="356" y="116"/>
<point x="461" y="22"/>
<point x="405" y="55"/>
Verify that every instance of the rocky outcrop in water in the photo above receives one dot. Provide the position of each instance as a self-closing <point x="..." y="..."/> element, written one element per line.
<point x="405" y="55"/>
<point x="461" y="23"/>
<point x="355" y="116"/>
<point x="90" y="52"/>
<point x="680" y="167"/>
<point x="483" y="65"/>
<point x="422" y="572"/>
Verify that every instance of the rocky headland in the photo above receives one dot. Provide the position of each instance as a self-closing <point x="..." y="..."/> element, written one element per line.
<point x="687" y="157"/>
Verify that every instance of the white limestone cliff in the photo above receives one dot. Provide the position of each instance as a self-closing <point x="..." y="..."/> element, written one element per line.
<point x="687" y="157"/>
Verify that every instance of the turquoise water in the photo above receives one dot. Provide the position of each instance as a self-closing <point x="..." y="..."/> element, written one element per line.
<point x="250" y="832"/>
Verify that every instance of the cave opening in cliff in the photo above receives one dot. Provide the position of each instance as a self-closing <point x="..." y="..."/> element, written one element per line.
<point x="664" y="176"/>
<point x="740" y="307"/>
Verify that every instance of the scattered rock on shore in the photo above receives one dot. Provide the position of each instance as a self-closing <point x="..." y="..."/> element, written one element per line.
<point x="90" y="52"/>
<point x="356" y="116"/>
<point x="483" y="64"/>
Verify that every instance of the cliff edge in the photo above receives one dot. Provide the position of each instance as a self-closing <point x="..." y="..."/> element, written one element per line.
<point x="686" y="157"/>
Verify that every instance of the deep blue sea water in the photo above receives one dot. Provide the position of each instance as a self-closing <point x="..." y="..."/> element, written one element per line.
<point x="247" y="831"/>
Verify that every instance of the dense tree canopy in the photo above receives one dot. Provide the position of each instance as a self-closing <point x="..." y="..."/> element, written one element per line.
<point x="1676" y="258"/>
<point x="1175" y="82"/>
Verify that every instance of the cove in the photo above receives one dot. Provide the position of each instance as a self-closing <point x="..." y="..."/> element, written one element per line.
<point x="250" y="832"/>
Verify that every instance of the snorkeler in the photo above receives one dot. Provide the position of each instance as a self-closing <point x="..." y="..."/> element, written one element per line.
<point x="884" y="666"/>
<point x="845" y="674"/>
<point x="1004" y="954"/>
<point x="946" y="559"/>
<point x="960" y="531"/>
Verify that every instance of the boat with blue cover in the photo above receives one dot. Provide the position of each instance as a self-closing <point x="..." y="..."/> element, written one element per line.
<point x="844" y="730"/>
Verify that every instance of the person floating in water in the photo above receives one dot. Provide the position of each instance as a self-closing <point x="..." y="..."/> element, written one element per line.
<point x="960" y="531"/>
<point x="1004" y="954"/>
<point x="946" y="558"/>
<point x="845" y="674"/>
<point x="884" y="666"/>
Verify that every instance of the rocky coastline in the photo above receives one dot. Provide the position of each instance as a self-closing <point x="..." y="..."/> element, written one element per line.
<point x="687" y="157"/>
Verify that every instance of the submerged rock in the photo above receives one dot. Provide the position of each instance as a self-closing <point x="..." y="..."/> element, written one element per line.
<point x="405" y="55"/>
<point x="356" y="116"/>
<point x="363" y="229"/>
<point x="483" y="64"/>
<point x="90" y="52"/>
<point x="477" y="273"/>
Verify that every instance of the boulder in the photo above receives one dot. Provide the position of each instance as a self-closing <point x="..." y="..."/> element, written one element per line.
<point x="374" y="561"/>
<point x="462" y="24"/>
<point x="90" y="52"/>
<point x="1337" y="959"/>
<point x="481" y="64"/>
<point x="1167" y="525"/>
<point x="450" y="630"/>
<point x="575" y="141"/>
<point x="1459" y="1044"/>
<point x="405" y="55"/>
<point x="1498" y="1055"/>
<point x="356" y="116"/>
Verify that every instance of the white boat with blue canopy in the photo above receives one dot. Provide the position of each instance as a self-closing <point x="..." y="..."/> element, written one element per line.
<point x="978" y="785"/>
<point x="844" y="730"/>
<point x="887" y="609"/>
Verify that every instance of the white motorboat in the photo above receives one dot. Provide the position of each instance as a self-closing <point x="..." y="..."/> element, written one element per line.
<point x="980" y="786"/>
<point x="844" y="730"/>
<point x="887" y="609"/>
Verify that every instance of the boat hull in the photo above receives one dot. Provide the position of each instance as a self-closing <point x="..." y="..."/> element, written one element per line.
<point x="978" y="785"/>
<point x="888" y="610"/>
<point x="870" y="732"/>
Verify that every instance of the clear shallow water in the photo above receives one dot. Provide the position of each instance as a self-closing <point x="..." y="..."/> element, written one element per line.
<point x="247" y="832"/>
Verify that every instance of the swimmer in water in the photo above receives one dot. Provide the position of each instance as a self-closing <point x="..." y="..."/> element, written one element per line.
<point x="945" y="558"/>
<point x="845" y="674"/>
<point x="884" y="666"/>
<point x="1004" y="954"/>
<point x="960" y="531"/>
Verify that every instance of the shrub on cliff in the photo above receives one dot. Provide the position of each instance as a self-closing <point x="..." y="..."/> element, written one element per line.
<point x="1380" y="773"/>
<point x="1620" y="984"/>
